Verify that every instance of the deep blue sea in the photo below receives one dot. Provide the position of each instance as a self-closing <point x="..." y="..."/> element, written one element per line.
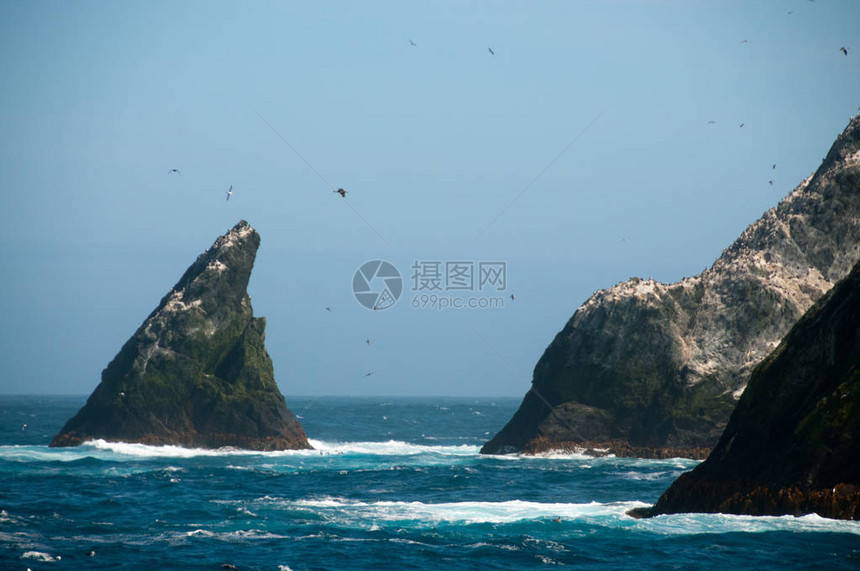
<point x="394" y="483"/>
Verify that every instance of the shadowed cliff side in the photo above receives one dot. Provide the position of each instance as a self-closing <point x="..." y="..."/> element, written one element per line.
<point x="197" y="372"/>
<point x="650" y="369"/>
<point x="792" y="446"/>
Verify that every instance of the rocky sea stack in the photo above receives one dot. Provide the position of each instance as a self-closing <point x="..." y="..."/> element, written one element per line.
<point x="197" y="372"/>
<point x="654" y="370"/>
<point x="792" y="446"/>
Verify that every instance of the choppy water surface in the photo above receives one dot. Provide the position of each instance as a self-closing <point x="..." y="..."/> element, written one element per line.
<point x="391" y="484"/>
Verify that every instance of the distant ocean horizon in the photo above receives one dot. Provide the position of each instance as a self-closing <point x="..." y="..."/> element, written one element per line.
<point x="393" y="483"/>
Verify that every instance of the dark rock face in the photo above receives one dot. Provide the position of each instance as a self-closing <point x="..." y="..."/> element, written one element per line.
<point x="650" y="369"/>
<point x="197" y="372"/>
<point x="792" y="446"/>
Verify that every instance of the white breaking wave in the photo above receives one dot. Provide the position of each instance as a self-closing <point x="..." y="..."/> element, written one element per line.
<point x="40" y="556"/>
<point x="511" y="511"/>
<point x="117" y="451"/>
<point x="392" y="448"/>
<point x="687" y="524"/>
<point x="614" y="514"/>
<point x="98" y="448"/>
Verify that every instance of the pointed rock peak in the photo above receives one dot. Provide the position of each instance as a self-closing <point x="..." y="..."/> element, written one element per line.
<point x="196" y="372"/>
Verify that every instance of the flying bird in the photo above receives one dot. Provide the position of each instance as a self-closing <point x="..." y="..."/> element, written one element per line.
<point x="367" y="374"/>
<point x="712" y="122"/>
<point x="411" y="43"/>
<point x="770" y="182"/>
<point x="492" y="53"/>
<point x="742" y="126"/>
<point x="745" y="41"/>
<point x="229" y="192"/>
<point x="368" y="341"/>
<point x="341" y="192"/>
<point x="174" y="170"/>
<point x="328" y="309"/>
<point x="844" y="50"/>
<point x="512" y="297"/>
<point x="773" y="166"/>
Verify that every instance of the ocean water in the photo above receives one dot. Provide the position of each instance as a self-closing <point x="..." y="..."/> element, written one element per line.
<point x="393" y="484"/>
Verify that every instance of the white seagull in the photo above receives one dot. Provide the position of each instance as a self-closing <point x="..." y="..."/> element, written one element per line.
<point x="229" y="192"/>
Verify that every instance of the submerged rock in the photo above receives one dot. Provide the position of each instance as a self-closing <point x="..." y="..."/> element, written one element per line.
<point x="792" y="445"/>
<point x="197" y="372"/>
<point x="650" y="369"/>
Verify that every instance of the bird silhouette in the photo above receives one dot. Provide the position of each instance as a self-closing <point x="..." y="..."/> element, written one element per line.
<point x="773" y="166"/>
<point x="712" y="122"/>
<point x="367" y="374"/>
<point x="229" y="192"/>
<point x="742" y="126"/>
<point x="512" y="297"/>
<point x="492" y="53"/>
<point x="368" y="341"/>
<point x="328" y="309"/>
<point x="174" y="170"/>
<point x="341" y="192"/>
<point x="844" y="50"/>
<point x="411" y="43"/>
<point x="770" y="182"/>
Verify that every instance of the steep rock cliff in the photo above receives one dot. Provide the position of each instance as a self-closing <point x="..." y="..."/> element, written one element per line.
<point x="792" y="445"/>
<point x="652" y="369"/>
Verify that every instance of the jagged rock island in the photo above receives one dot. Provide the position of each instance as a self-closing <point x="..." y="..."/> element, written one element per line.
<point x="792" y="445"/>
<point x="654" y="370"/>
<point x="197" y="372"/>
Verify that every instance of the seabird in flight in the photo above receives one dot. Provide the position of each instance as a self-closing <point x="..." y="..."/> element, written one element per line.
<point x="411" y="43"/>
<point x="341" y="192"/>
<point x="174" y="170"/>
<point x="492" y="53"/>
<point x="368" y="341"/>
<point x="844" y="50"/>
<point x="229" y="192"/>
<point x="367" y="374"/>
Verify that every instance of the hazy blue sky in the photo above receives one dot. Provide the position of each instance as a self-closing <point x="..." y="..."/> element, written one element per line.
<point x="100" y="99"/>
